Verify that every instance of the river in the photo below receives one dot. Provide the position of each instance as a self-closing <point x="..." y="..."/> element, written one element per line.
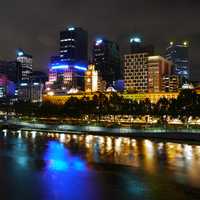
<point x="47" y="166"/>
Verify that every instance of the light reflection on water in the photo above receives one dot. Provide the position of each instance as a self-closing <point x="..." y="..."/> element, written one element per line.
<point x="178" y="158"/>
<point x="58" y="159"/>
<point x="65" y="158"/>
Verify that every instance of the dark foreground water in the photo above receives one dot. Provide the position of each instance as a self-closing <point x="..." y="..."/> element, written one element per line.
<point x="40" y="166"/>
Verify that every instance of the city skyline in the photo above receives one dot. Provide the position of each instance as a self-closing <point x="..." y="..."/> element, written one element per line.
<point x="41" y="39"/>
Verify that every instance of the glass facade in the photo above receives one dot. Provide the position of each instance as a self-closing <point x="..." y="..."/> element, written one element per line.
<point x="178" y="55"/>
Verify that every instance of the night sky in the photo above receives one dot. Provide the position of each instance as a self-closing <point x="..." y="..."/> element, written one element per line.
<point x="35" y="24"/>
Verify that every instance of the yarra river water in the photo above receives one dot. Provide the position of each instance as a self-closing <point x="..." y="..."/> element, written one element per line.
<point x="41" y="166"/>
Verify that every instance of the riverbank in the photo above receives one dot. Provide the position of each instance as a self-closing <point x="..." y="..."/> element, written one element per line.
<point x="143" y="132"/>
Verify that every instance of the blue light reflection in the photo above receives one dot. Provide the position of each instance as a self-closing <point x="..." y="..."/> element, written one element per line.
<point x="58" y="158"/>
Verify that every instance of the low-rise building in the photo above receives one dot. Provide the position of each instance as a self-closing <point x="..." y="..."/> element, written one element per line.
<point x="170" y="83"/>
<point x="30" y="91"/>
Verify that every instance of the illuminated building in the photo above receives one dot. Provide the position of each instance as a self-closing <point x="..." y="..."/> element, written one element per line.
<point x="136" y="72"/>
<point x="136" y="66"/>
<point x="36" y="92"/>
<point x="7" y="87"/>
<point x="106" y="58"/>
<point x="91" y="79"/>
<point x="111" y="89"/>
<point x="177" y="53"/>
<point x="63" y="77"/>
<point x="170" y="83"/>
<point x="24" y="92"/>
<point x="158" y="67"/>
<point x="66" y="70"/>
<point x="153" y="97"/>
<point x="26" y="64"/>
<point x="30" y="91"/>
<point x="74" y="46"/>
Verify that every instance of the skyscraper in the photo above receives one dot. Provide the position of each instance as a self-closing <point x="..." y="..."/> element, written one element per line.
<point x="66" y="70"/>
<point x="26" y="64"/>
<point x="74" y="46"/>
<point x="106" y="58"/>
<point x="12" y="70"/>
<point x="138" y="46"/>
<point x="136" y="66"/>
<point x="177" y="53"/>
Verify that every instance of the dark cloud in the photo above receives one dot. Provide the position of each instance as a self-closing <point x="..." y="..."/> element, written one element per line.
<point x="35" y="24"/>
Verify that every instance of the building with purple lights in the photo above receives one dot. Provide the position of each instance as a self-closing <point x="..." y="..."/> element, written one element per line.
<point x="63" y="77"/>
<point x="67" y="69"/>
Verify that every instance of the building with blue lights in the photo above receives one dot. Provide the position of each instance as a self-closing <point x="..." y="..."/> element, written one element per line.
<point x="66" y="70"/>
<point x="74" y="46"/>
<point x="63" y="77"/>
<point x="177" y="53"/>
<point x="26" y="63"/>
<point x="107" y="60"/>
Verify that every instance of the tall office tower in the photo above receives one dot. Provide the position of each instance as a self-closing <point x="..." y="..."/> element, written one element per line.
<point x="158" y="67"/>
<point x="12" y="70"/>
<point x="74" y="46"/>
<point x="106" y="58"/>
<point x="26" y="63"/>
<point x="137" y="46"/>
<point x="177" y="53"/>
<point x="67" y="69"/>
<point x="136" y="66"/>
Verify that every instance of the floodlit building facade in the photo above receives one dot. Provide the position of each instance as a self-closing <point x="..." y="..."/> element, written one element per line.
<point x="136" y="72"/>
<point x="91" y="79"/>
<point x="158" y="67"/>
<point x="170" y="83"/>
